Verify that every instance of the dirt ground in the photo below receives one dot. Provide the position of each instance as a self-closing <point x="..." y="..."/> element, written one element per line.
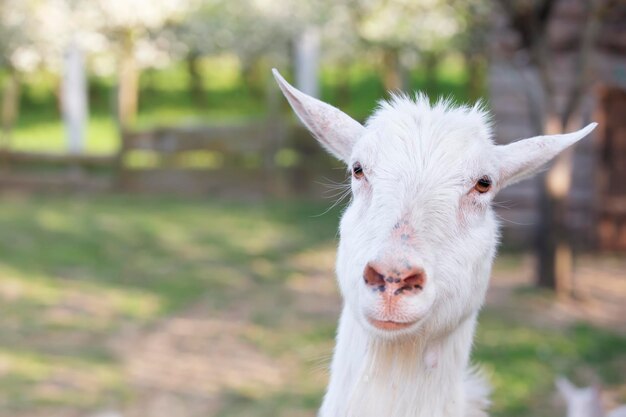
<point x="597" y="294"/>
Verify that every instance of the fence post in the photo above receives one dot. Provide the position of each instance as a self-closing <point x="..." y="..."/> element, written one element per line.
<point x="119" y="168"/>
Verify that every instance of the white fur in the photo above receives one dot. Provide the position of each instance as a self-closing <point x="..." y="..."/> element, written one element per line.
<point x="421" y="163"/>
<point x="581" y="402"/>
<point x="585" y="402"/>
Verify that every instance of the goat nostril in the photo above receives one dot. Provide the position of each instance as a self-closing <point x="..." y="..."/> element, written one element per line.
<point x="415" y="281"/>
<point x="373" y="277"/>
<point x="412" y="281"/>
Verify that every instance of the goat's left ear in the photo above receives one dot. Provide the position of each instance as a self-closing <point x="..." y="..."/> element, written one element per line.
<point x="334" y="129"/>
<point x="523" y="158"/>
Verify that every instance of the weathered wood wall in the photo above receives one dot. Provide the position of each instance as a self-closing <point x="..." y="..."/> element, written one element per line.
<point x="512" y="83"/>
<point x="254" y="160"/>
<point x="611" y="174"/>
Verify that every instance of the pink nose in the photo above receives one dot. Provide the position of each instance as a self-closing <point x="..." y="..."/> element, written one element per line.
<point x="394" y="280"/>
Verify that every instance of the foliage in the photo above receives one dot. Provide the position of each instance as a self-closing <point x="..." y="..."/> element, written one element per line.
<point x="166" y="29"/>
<point x="426" y="25"/>
<point x="25" y="34"/>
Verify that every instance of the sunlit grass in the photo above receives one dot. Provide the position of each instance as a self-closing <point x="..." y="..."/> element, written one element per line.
<point x="48" y="134"/>
<point x="34" y="378"/>
<point x="523" y="361"/>
<point x="74" y="272"/>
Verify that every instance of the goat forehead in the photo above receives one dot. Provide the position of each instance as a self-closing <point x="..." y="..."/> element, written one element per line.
<point x="422" y="156"/>
<point x="428" y="207"/>
<point x="408" y="113"/>
<point x="412" y="134"/>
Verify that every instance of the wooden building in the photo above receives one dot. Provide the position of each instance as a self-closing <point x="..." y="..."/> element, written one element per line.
<point x="596" y="213"/>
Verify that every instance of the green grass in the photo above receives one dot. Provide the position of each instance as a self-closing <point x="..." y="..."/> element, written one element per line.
<point x="75" y="273"/>
<point x="524" y="361"/>
<point x="39" y="133"/>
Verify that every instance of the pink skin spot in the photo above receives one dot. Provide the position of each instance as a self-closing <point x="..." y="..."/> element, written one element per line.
<point x="465" y="208"/>
<point x="469" y="206"/>
<point x="431" y="357"/>
<point x="403" y="233"/>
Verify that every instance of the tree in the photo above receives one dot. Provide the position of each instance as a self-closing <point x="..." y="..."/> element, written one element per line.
<point x="424" y="26"/>
<point x="132" y="28"/>
<point x="552" y="110"/>
<point x="249" y="29"/>
<point x="472" y="39"/>
<point x="18" y="54"/>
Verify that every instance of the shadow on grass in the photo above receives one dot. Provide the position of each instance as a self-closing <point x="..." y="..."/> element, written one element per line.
<point x="165" y="247"/>
<point x="284" y="404"/>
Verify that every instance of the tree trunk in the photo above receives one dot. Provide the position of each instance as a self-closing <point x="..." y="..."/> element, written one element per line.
<point x="392" y="76"/>
<point x="196" y="87"/>
<point x="555" y="255"/>
<point x="476" y="75"/>
<point x="250" y="77"/>
<point x="10" y="107"/>
<point x="342" y="89"/>
<point x="554" y="252"/>
<point x="128" y="85"/>
<point x="431" y="63"/>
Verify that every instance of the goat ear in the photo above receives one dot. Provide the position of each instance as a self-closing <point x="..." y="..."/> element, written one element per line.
<point x="334" y="129"/>
<point x="566" y="388"/>
<point x="523" y="158"/>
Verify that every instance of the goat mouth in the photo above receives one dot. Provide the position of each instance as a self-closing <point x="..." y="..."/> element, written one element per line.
<point x="389" y="324"/>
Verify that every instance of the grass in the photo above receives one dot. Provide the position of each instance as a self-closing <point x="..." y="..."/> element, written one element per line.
<point x="82" y="269"/>
<point x="77" y="273"/>
<point x="523" y="361"/>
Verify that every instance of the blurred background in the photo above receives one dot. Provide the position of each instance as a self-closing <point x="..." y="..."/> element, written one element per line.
<point x="169" y="229"/>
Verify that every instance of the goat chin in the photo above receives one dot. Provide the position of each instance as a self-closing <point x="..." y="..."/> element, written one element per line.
<point x="408" y="377"/>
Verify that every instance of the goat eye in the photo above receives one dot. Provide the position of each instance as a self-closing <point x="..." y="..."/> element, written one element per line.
<point x="357" y="170"/>
<point x="483" y="185"/>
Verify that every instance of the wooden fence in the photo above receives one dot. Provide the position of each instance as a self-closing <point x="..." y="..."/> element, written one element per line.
<point x="54" y="172"/>
<point x="260" y="158"/>
<point x="273" y="159"/>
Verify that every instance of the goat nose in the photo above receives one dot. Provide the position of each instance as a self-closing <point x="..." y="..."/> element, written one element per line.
<point x="394" y="280"/>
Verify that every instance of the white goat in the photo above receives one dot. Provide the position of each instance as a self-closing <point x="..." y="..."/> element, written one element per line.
<point x="585" y="402"/>
<point x="417" y="243"/>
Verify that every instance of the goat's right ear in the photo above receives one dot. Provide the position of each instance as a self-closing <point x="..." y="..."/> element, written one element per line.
<point x="521" y="159"/>
<point x="334" y="129"/>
